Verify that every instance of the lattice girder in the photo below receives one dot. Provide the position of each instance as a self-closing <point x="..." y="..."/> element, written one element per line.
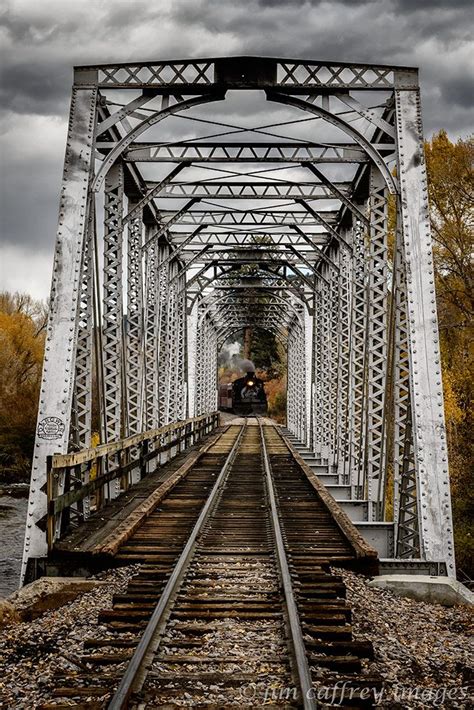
<point x="377" y="327"/>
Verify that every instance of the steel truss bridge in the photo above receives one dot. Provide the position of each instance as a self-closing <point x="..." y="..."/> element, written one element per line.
<point x="306" y="216"/>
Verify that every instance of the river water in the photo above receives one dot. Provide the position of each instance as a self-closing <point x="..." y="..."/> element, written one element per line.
<point x="12" y="531"/>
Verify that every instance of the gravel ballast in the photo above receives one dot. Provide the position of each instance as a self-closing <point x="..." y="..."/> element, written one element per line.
<point x="32" y="653"/>
<point x="423" y="651"/>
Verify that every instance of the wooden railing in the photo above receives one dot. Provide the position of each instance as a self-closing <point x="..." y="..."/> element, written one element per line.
<point x="85" y="481"/>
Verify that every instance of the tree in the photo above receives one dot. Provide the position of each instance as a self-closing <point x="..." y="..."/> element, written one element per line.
<point x="451" y="195"/>
<point x="22" y="330"/>
<point x="267" y="355"/>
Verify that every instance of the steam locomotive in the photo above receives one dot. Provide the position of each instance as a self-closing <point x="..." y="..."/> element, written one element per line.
<point x="244" y="396"/>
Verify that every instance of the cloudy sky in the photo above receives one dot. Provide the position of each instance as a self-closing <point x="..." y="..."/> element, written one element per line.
<point x="41" y="41"/>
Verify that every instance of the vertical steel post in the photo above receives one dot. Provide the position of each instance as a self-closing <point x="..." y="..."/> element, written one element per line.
<point x="199" y="367"/>
<point x="405" y="483"/>
<point x="358" y="358"/>
<point x="134" y="333"/>
<point x="164" y="363"/>
<point x="192" y="359"/>
<point x="308" y="373"/>
<point x="325" y="365"/>
<point x="81" y="416"/>
<point x="170" y="373"/>
<point x="181" y="390"/>
<point x="296" y="380"/>
<point x="377" y="339"/>
<point x="318" y="358"/>
<point x="429" y="431"/>
<point x="334" y="290"/>
<point x="113" y="310"/>
<point x="151" y="414"/>
<point x="291" y="418"/>
<point x="54" y="414"/>
<point x="343" y="394"/>
<point x="83" y="368"/>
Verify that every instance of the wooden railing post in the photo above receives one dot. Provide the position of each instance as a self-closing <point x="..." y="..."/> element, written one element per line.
<point x="100" y="494"/>
<point x="51" y="494"/>
<point x="120" y="466"/>
<point x="143" y="457"/>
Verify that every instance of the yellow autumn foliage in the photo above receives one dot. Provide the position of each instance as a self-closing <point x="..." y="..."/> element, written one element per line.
<point x="451" y="194"/>
<point x="22" y="325"/>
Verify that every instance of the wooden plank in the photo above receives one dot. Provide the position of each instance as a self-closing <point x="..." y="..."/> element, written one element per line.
<point x="360" y="546"/>
<point x="125" y="530"/>
<point x="104" y="521"/>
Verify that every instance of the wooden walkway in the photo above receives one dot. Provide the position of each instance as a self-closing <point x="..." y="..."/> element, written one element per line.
<point x="92" y="536"/>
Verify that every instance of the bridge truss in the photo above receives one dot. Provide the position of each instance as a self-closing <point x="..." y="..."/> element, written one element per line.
<point x="308" y="218"/>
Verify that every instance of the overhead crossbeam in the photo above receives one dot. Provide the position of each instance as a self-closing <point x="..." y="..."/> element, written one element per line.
<point x="243" y="217"/>
<point x="207" y="75"/>
<point x="257" y="152"/>
<point x="261" y="190"/>
<point x="305" y="241"/>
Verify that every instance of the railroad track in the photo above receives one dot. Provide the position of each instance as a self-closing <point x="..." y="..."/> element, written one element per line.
<point x="235" y="603"/>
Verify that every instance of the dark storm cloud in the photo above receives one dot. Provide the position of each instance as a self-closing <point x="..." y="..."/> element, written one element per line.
<point x="36" y="88"/>
<point x="458" y="91"/>
<point x="313" y="3"/>
<point x="433" y="35"/>
<point x="371" y="30"/>
<point x="41" y="41"/>
<point x="39" y="50"/>
<point x="405" y="5"/>
<point x="25" y="219"/>
<point x="37" y="69"/>
<point x="423" y="5"/>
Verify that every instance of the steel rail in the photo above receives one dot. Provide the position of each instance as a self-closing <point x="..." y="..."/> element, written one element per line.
<point x="302" y="665"/>
<point x="127" y="684"/>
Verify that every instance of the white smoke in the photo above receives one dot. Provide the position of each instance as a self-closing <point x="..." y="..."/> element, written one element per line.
<point x="245" y="365"/>
<point x="229" y="357"/>
<point x="229" y="354"/>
